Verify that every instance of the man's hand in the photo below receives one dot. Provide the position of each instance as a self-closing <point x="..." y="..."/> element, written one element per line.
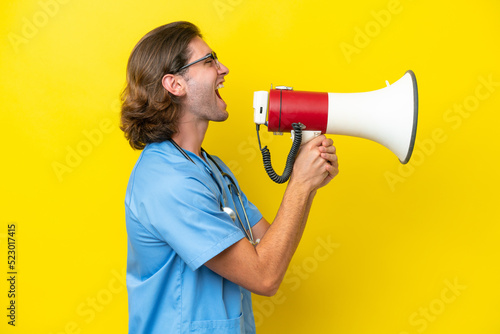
<point x="329" y="153"/>
<point x="316" y="163"/>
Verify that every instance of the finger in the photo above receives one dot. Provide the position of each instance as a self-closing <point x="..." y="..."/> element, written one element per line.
<point x="317" y="141"/>
<point x="328" y="149"/>
<point x="331" y="149"/>
<point x="332" y="170"/>
<point x="327" y="142"/>
<point x="329" y="156"/>
<point x="333" y="165"/>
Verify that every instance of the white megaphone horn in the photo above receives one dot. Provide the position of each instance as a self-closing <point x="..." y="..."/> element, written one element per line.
<point x="387" y="116"/>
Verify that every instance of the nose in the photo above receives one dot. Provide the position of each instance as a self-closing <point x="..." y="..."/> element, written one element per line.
<point x="223" y="70"/>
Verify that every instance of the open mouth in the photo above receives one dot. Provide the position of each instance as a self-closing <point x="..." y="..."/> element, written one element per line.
<point x="219" y="86"/>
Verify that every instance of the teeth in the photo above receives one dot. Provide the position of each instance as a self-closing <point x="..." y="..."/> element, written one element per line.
<point x="219" y="86"/>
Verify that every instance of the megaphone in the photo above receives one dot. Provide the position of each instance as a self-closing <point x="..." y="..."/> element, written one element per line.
<point x="387" y="116"/>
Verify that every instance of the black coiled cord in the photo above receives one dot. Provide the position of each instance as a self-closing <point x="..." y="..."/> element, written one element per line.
<point x="266" y="156"/>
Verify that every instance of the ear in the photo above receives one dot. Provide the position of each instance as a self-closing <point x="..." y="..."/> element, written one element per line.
<point x="174" y="84"/>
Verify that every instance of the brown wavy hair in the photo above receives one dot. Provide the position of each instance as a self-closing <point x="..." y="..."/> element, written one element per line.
<point x="149" y="112"/>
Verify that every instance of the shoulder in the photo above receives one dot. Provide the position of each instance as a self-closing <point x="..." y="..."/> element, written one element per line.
<point x="161" y="170"/>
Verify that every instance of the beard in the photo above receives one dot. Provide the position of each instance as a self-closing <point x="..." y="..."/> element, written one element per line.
<point x="205" y="103"/>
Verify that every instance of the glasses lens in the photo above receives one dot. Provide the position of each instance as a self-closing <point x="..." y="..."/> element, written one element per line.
<point x="214" y="56"/>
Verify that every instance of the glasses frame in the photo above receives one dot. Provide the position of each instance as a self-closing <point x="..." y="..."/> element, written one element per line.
<point x="212" y="55"/>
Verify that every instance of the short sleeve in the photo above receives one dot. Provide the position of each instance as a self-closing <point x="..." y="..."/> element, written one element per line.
<point x="184" y="212"/>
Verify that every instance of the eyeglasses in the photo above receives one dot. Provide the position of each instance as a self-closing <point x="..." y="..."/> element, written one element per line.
<point x="212" y="55"/>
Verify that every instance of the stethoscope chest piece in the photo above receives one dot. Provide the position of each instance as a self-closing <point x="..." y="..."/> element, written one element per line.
<point x="230" y="212"/>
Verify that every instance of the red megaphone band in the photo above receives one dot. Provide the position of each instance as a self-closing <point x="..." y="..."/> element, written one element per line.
<point x="288" y="106"/>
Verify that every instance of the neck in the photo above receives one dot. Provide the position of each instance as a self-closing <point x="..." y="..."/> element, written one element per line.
<point x="190" y="134"/>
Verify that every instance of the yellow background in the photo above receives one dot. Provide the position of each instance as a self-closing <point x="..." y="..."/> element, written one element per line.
<point x="384" y="242"/>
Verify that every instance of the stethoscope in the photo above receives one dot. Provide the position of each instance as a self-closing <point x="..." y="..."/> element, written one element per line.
<point x="219" y="178"/>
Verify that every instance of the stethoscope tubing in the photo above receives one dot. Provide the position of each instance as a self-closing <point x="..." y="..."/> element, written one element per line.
<point x="232" y="184"/>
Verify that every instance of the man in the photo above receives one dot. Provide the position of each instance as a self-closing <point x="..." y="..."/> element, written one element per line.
<point x="191" y="267"/>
